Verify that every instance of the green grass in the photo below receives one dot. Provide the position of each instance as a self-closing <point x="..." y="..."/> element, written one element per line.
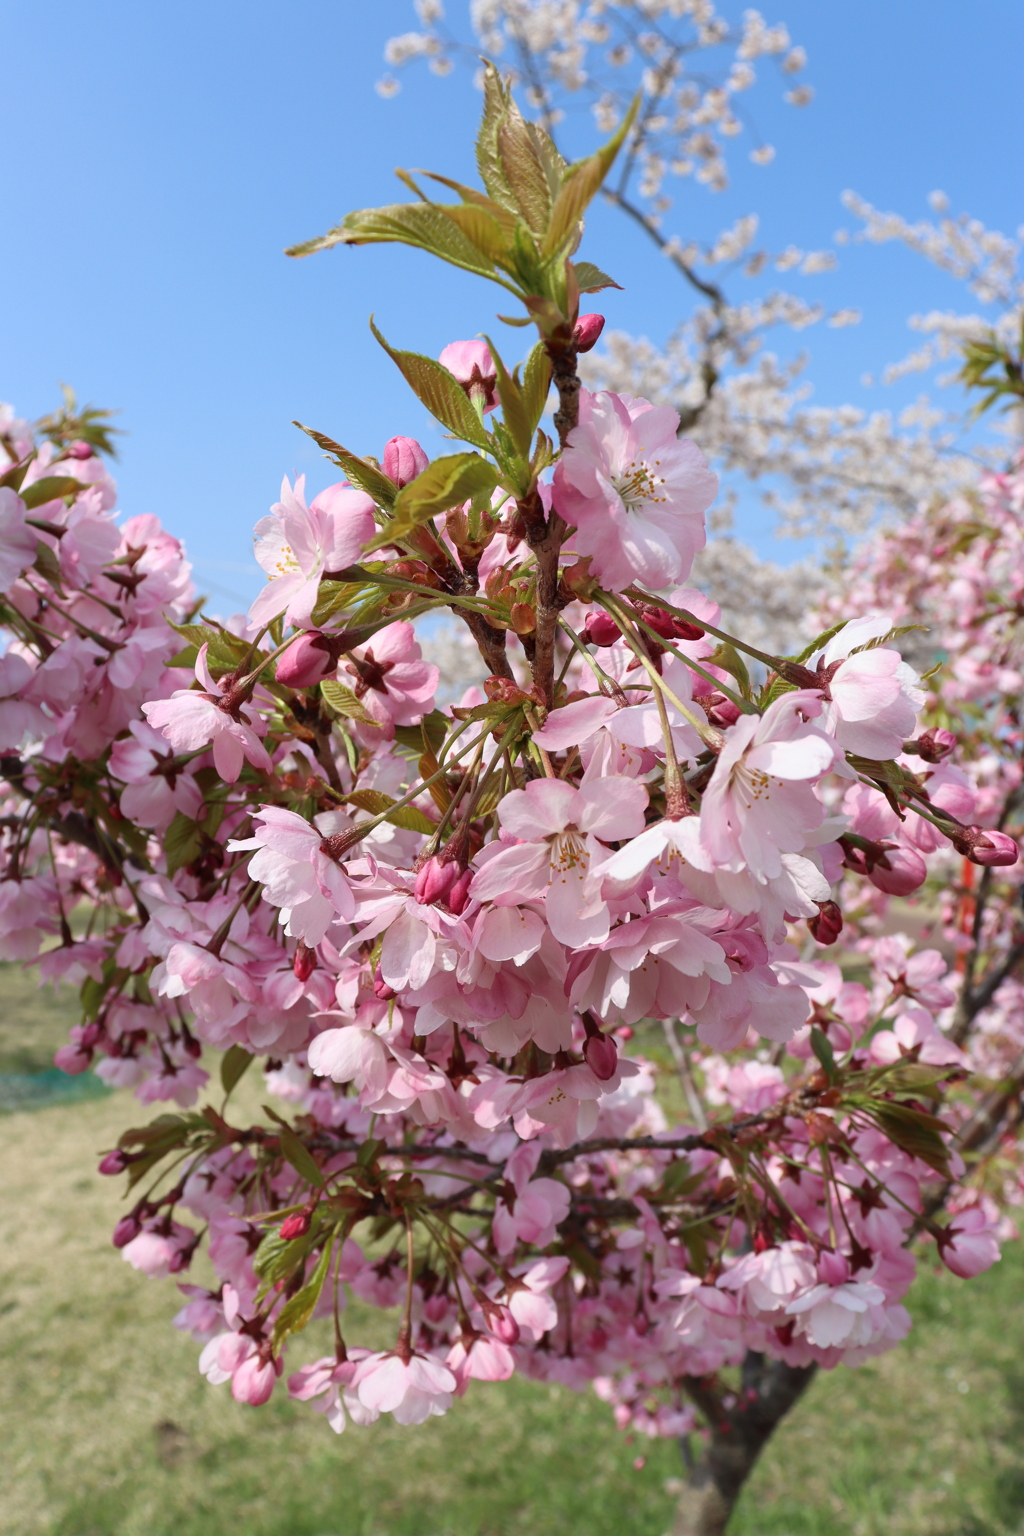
<point x="107" y="1430"/>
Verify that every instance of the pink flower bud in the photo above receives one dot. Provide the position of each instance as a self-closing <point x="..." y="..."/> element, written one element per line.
<point x="404" y="459"/>
<point x="458" y="896"/>
<point x="472" y="364"/>
<point x="501" y="1323"/>
<point x="79" y="450"/>
<point x="309" y="660"/>
<point x="833" y="1268"/>
<point x="983" y="845"/>
<point x="295" y="1226"/>
<point x="72" y="1060"/>
<point x="601" y="1057"/>
<point x="304" y="963"/>
<point x="899" y="871"/>
<point x="600" y="629"/>
<point x="381" y="989"/>
<point x="933" y="745"/>
<point x="114" y="1162"/>
<point x="435" y="880"/>
<point x="828" y="924"/>
<point x="127" y="1228"/>
<point x="723" y="711"/>
<point x="588" y="329"/>
<point x="253" y="1382"/>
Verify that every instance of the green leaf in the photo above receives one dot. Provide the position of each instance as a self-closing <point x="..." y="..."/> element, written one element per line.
<point x="344" y="702"/>
<point x="441" y="393"/>
<point x="234" y="1064"/>
<point x="360" y="471"/>
<point x="591" y="279"/>
<point x="581" y="183"/>
<point x="820" y="641"/>
<point x="298" y="1154"/>
<point x="822" y="1048"/>
<point x="299" y="1309"/>
<point x="48" y="566"/>
<point x="51" y="488"/>
<point x="527" y="167"/>
<point x="727" y="657"/>
<point x="504" y="219"/>
<point x="183" y="842"/>
<point x="914" y="1132"/>
<point x="224" y="650"/>
<point x="425" y="226"/>
<point x="492" y="173"/>
<point x="536" y="384"/>
<point x="484" y="231"/>
<point x="376" y="803"/>
<point x="445" y="483"/>
<point x="14" y="477"/>
<point x="513" y="404"/>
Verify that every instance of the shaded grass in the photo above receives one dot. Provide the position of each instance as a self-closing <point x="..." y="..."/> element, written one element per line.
<point x="34" y="1020"/>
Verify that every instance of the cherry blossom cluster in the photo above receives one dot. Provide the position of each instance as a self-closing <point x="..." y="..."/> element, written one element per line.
<point x="452" y="935"/>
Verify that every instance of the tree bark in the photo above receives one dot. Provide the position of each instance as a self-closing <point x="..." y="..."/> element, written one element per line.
<point x="738" y="1435"/>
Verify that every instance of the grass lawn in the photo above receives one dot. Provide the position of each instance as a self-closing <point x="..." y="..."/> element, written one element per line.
<point x="107" y="1429"/>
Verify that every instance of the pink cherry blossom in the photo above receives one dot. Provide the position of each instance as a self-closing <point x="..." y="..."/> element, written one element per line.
<point x="874" y="697"/>
<point x="155" y="790"/>
<point x="760" y="803"/>
<point x="298" y="545"/>
<point x="296" y="872"/>
<point x="635" y="492"/>
<point x="412" y="1389"/>
<point x="192" y="719"/>
<point x="560" y="829"/>
<point x="17" y="540"/>
<point x="970" y="1246"/>
<point x="391" y="679"/>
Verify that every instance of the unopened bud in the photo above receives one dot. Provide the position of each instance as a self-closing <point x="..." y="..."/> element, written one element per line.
<point x="115" y="1162"/>
<point x="80" y="450"/>
<point x="403" y="460"/>
<point x="435" y="880"/>
<point x="72" y="1060"/>
<point x="984" y="845"/>
<point x="932" y="745"/>
<point x="828" y="924"/>
<point x="600" y="629"/>
<point x="458" y="896"/>
<point x="311" y="658"/>
<point x="722" y="711"/>
<point x="899" y="871"/>
<point x="295" y="1226"/>
<point x="304" y="963"/>
<point x="381" y="989"/>
<point x="127" y="1228"/>
<point x="588" y="329"/>
<point x="601" y="1057"/>
<point x="500" y="1322"/>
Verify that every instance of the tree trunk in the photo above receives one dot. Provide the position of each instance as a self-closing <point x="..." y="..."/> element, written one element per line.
<point x="738" y="1434"/>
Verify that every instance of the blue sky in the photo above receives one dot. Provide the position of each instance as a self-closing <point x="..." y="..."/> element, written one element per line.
<point x="159" y="158"/>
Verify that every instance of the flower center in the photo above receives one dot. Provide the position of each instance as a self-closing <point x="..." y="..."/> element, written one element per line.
<point x="640" y="482"/>
<point x="285" y="563"/>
